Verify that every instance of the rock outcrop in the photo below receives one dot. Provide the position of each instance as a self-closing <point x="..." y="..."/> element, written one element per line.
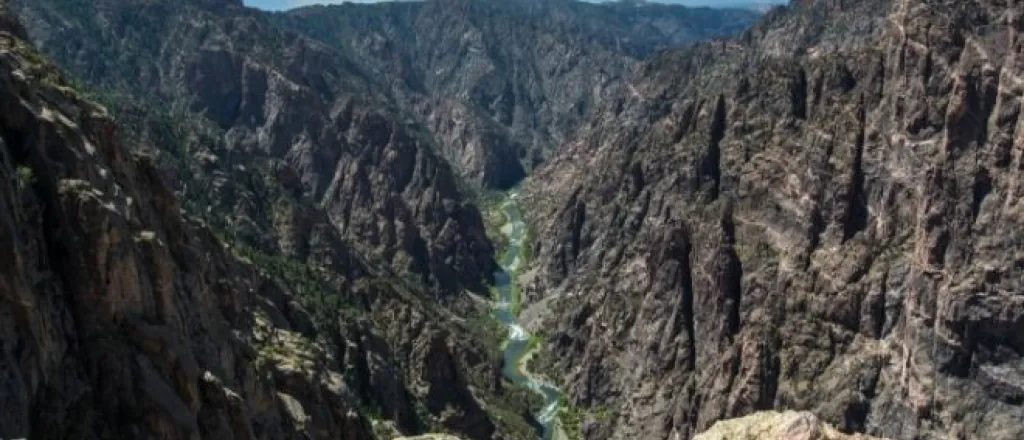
<point x="820" y="215"/>
<point x="789" y="425"/>
<point x="122" y="316"/>
<point x="430" y="437"/>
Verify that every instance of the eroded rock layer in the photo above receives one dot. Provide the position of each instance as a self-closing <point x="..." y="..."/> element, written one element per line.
<point x="821" y="215"/>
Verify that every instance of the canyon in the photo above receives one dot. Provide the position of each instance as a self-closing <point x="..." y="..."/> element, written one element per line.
<point x="483" y="219"/>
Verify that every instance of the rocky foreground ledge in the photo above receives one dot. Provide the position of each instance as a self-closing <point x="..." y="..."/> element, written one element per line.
<point x="430" y="437"/>
<point x="771" y="425"/>
<point x="767" y="425"/>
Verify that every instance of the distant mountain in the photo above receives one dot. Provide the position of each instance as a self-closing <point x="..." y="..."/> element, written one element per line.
<point x="501" y="84"/>
<point x="761" y="7"/>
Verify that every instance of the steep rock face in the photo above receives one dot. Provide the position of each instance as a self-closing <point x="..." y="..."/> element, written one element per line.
<point x="118" y="312"/>
<point x="281" y="135"/>
<point x="122" y="317"/>
<point x="501" y="84"/>
<point x="820" y="215"/>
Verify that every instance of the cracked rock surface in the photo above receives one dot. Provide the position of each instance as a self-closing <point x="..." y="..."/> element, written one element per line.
<point x="819" y="215"/>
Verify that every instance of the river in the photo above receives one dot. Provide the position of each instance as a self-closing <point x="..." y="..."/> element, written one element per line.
<point x="518" y="344"/>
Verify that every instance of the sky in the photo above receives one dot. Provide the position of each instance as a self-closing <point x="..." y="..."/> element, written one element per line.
<point x="287" y="4"/>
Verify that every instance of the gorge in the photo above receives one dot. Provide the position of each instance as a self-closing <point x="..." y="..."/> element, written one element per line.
<point x="510" y="220"/>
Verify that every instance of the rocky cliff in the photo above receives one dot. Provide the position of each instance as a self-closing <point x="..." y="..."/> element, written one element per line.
<point x="123" y="316"/>
<point x="502" y="84"/>
<point x="819" y="215"/>
<point x="284" y="142"/>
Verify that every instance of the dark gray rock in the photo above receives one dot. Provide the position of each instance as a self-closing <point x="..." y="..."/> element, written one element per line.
<point x="122" y="317"/>
<point x="820" y="215"/>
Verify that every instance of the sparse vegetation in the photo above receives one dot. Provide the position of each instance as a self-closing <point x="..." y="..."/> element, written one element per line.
<point x="494" y="218"/>
<point x="310" y="284"/>
<point x="25" y="176"/>
<point x="571" y="417"/>
<point x="535" y="363"/>
<point x="487" y="329"/>
<point x="534" y="342"/>
<point x="526" y="250"/>
<point x="509" y="418"/>
<point x="760" y="252"/>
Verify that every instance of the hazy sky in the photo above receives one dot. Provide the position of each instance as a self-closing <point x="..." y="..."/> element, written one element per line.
<point x="285" y="4"/>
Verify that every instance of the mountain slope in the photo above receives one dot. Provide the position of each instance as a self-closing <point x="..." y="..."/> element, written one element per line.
<point x="123" y="317"/>
<point x="501" y="84"/>
<point x="820" y="215"/>
<point x="284" y="142"/>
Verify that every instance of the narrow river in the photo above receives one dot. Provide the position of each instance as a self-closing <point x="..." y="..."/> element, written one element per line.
<point x="518" y="344"/>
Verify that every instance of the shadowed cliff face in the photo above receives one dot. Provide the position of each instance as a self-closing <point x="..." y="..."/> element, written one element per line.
<point x="820" y="215"/>
<point x="283" y="141"/>
<point x="502" y="84"/>
<point x="123" y="317"/>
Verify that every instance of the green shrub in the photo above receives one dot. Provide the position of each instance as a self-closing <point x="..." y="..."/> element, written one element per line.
<point x="25" y="176"/>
